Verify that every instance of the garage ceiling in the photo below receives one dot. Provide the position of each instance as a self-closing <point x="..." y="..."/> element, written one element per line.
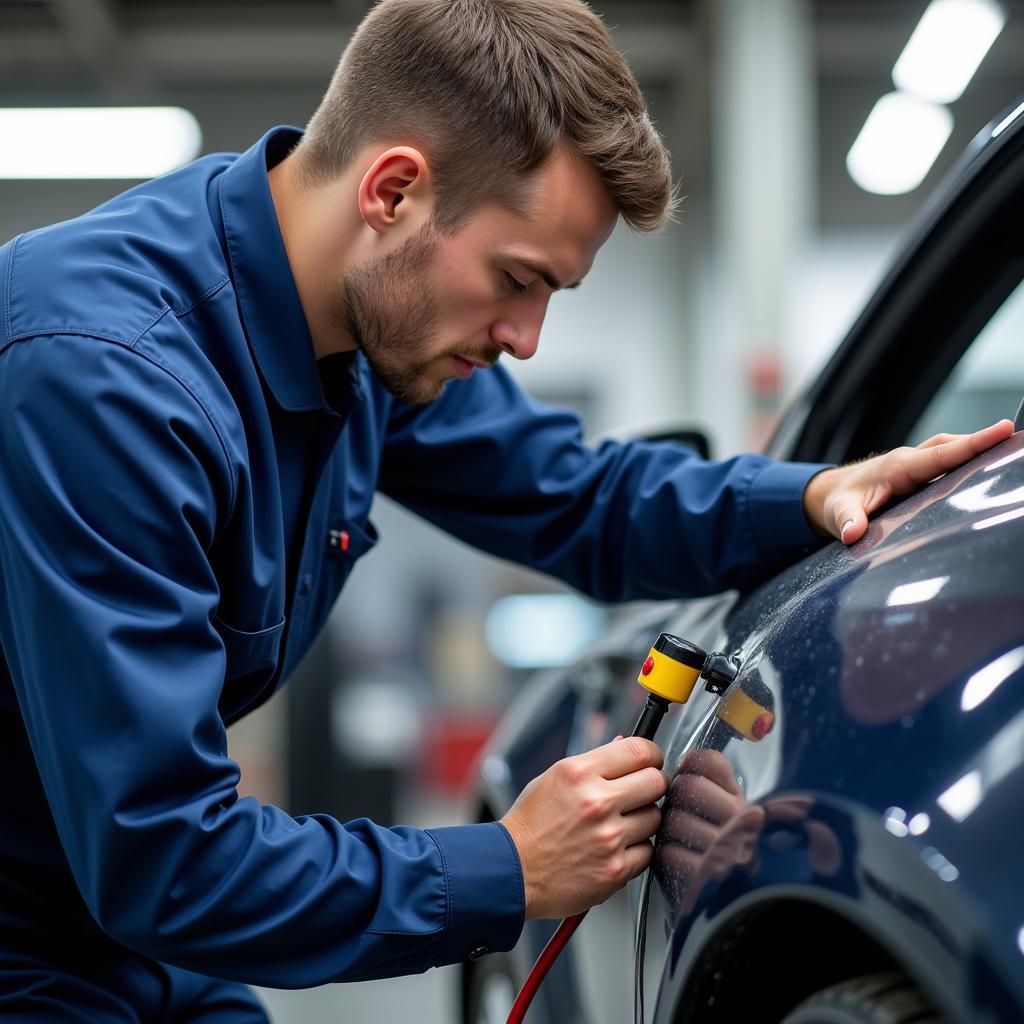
<point x="82" y="51"/>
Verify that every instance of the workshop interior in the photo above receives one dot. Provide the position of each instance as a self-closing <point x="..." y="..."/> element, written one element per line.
<point x="820" y="149"/>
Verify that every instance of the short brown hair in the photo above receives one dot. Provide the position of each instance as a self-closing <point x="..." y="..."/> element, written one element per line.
<point x="489" y="88"/>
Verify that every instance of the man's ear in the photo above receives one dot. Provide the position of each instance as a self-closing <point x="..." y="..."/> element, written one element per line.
<point x="396" y="187"/>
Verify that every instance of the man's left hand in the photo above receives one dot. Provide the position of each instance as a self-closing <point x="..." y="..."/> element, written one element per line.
<point x="838" y="501"/>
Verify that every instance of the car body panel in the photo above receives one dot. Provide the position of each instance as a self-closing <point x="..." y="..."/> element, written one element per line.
<point x="871" y="655"/>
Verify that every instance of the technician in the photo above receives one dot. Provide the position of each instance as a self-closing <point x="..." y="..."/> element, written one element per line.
<point x="204" y="382"/>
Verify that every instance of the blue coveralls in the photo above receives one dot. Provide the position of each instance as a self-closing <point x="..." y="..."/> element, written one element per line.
<point x="170" y="470"/>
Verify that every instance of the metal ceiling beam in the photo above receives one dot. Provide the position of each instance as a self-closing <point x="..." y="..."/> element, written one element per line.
<point x="182" y="53"/>
<point x="307" y="51"/>
<point x="854" y="49"/>
<point x="93" y="34"/>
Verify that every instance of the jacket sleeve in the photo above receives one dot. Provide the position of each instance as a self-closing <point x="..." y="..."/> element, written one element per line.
<point x="113" y="486"/>
<point x="629" y="520"/>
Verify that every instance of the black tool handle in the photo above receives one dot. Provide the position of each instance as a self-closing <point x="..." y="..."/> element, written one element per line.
<point x="651" y="716"/>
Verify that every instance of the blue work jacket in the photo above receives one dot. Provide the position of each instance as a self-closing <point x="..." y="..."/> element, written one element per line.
<point x="173" y="481"/>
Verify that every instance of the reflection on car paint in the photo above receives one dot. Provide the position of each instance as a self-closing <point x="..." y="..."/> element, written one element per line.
<point x="708" y="825"/>
<point x="859" y="647"/>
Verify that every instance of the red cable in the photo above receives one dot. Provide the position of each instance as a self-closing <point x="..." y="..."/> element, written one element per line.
<point x="646" y="727"/>
<point x="549" y="954"/>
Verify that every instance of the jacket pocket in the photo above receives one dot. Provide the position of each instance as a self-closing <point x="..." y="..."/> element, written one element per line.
<point x="249" y="652"/>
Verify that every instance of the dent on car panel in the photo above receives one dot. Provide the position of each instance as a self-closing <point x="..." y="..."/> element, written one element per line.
<point x="890" y="676"/>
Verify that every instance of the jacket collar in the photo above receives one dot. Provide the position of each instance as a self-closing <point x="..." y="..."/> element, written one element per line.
<point x="272" y="314"/>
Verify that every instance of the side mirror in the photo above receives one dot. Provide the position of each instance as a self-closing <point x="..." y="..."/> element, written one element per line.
<point x="695" y="439"/>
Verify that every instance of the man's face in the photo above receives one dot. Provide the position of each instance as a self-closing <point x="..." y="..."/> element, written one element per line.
<point x="439" y="306"/>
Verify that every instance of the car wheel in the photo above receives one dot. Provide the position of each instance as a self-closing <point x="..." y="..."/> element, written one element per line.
<point x="492" y="990"/>
<point x="887" y="998"/>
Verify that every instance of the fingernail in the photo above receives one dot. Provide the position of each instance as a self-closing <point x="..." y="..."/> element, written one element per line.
<point x="846" y="526"/>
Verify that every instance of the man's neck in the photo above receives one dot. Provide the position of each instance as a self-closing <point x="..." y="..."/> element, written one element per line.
<point x="310" y="219"/>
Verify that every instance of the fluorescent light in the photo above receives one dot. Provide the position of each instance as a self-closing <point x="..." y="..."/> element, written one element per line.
<point x="915" y="593"/>
<point x="898" y="144"/>
<point x="949" y="43"/>
<point x="935" y="860"/>
<point x="1013" y="456"/>
<point x="918" y="824"/>
<point x="963" y="796"/>
<point x="1003" y="517"/>
<point x="96" y="142"/>
<point x="986" y="680"/>
<point x="978" y="499"/>
<point x="534" y="630"/>
<point x="895" y="821"/>
<point x="1008" y="120"/>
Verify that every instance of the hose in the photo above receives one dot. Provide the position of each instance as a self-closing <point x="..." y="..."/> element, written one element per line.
<point x="650" y="718"/>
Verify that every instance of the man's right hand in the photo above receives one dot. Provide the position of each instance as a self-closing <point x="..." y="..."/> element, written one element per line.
<point x="583" y="828"/>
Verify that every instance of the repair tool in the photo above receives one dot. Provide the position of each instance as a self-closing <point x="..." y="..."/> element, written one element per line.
<point x="669" y="675"/>
<point x="746" y="712"/>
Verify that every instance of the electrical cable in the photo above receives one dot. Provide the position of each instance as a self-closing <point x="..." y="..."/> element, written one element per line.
<point x="641" y="950"/>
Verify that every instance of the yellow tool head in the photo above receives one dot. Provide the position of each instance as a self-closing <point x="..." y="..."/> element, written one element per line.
<point x="672" y="668"/>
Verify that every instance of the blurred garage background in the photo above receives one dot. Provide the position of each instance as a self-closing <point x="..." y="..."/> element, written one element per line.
<point x="712" y="325"/>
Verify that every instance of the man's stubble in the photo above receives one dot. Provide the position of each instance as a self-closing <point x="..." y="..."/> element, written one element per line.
<point x="388" y="307"/>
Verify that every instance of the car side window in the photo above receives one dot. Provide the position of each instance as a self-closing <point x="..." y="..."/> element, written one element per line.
<point x="987" y="383"/>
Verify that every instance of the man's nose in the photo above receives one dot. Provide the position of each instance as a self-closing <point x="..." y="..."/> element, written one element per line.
<point x="519" y="336"/>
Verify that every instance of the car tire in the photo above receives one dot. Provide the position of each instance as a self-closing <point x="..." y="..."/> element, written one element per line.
<point x="886" y="998"/>
<point x="493" y="987"/>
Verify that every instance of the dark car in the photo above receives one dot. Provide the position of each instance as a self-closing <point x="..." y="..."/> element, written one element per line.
<point x="859" y="856"/>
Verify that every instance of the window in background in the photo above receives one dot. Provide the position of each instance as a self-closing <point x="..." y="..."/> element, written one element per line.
<point x="988" y="381"/>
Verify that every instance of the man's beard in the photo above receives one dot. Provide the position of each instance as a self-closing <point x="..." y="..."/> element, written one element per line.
<point x="388" y="308"/>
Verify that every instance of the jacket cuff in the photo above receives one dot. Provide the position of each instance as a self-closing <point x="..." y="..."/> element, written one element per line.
<point x="776" y="508"/>
<point x="486" y="903"/>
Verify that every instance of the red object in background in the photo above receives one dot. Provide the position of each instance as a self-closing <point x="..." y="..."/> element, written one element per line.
<point x="451" y="744"/>
<point x="764" y="372"/>
<point x="764" y="385"/>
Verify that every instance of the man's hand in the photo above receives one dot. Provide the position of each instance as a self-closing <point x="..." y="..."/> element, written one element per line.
<point x="838" y="501"/>
<point x="583" y="828"/>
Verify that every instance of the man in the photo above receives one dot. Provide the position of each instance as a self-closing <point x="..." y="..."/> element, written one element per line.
<point x="204" y="381"/>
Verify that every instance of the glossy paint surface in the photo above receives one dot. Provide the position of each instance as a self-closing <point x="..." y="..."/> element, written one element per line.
<point x="894" y="763"/>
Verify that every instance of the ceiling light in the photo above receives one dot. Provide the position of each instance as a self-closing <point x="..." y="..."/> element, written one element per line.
<point x="914" y="593"/>
<point x="534" y="630"/>
<point x="96" y="142"/>
<point x="949" y="43"/>
<point x="898" y="144"/>
<point x="963" y="796"/>
<point x="986" y="680"/>
<point x="1008" y="120"/>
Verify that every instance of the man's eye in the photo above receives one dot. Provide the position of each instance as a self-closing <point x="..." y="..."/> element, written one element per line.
<point x="514" y="284"/>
